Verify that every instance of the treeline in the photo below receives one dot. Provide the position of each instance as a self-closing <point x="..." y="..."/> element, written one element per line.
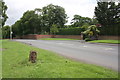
<point x="48" y="20"/>
<point x="51" y="19"/>
<point x="40" y="21"/>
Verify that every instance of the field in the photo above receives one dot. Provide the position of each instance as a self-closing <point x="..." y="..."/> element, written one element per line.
<point x="15" y="64"/>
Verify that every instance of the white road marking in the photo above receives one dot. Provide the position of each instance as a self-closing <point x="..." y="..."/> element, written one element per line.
<point x="85" y="46"/>
<point x="59" y="43"/>
<point x="47" y="42"/>
<point x="108" y="48"/>
<point x="70" y="44"/>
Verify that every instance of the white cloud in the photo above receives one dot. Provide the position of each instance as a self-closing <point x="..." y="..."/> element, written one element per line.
<point x="16" y="8"/>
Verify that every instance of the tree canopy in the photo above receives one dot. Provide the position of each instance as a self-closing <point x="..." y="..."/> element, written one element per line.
<point x="3" y="15"/>
<point x="53" y="14"/>
<point x="40" y="21"/>
<point x="28" y="24"/>
<point x="6" y="32"/>
<point x="79" y="21"/>
<point x="108" y="13"/>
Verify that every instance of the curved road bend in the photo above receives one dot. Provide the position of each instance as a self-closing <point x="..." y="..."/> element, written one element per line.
<point x="103" y="55"/>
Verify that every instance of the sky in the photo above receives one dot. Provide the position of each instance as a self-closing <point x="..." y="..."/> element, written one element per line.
<point x="16" y="8"/>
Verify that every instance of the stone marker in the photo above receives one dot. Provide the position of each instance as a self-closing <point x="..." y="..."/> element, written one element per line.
<point x="33" y="56"/>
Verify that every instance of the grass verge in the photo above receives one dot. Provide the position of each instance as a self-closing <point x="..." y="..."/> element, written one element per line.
<point x="57" y="39"/>
<point x="49" y="65"/>
<point x="106" y="41"/>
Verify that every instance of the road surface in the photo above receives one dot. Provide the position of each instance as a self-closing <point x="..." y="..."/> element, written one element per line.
<point x="100" y="54"/>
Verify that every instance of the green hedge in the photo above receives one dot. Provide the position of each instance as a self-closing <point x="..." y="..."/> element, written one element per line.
<point x="109" y="31"/>
<point x="77" y="30"/>
<point x="70" y="31"/>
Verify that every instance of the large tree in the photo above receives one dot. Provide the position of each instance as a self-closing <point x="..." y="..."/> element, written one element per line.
<point x="28" y="24"/>
<point x="17" y="28"/>
<point x="79" y="21"/>
<point x="3" y="15"/>
<point x="53" y="14"/>
<point x="108" y="13"/>
<point x="40" y="21"/>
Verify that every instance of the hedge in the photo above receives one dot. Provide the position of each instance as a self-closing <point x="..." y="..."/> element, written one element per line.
<point x="70" y="31"/>
<point x="109" y="30"/>
<point x="77" y="30"/>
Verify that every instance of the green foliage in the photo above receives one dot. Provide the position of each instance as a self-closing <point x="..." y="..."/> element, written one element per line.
<point x="40" y="21"/>
<point x="70" y="31"/>
<point x="78" y="21"/>
<point x="53" y="14"/>
<point x="91" y="32"/>
<point x="28" y="24"/>
<point x="107" y="13"/>
<point x="6" y="32"/>
<point x="109" y="30"/>
<point x="54" y="29"/>
<point x="3" y="15"/>
<point x="17" y="28"/>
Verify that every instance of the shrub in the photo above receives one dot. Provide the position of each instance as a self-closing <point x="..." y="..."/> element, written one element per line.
<point x="91" y="32"/>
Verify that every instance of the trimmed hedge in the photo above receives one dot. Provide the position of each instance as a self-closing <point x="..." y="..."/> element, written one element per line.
<point x="77" y="30"/>
<point x="70" y="31"/>
<point x="109" y="30"/>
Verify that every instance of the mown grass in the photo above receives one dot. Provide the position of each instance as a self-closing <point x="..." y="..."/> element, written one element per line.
<point x="57" y="39"/>
<point x="49" y="65"/>
<point x="106" y="41"/>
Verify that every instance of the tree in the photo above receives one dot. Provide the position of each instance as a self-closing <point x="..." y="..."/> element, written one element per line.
<point x="6" y="32"/>
<point x="18" y="29"/>
<point x="28" y="24"/>
<point x="3" y="15"/>
<point x="108" y="13"/>
<point x="94" y="21"/>
<point x="40" y="21"/>
<point x="53" y="14"/>
<point x="79" y="21"/>
<point x="54" y="29"/>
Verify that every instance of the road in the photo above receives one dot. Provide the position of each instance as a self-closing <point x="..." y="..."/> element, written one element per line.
<point x="99" y="54"/>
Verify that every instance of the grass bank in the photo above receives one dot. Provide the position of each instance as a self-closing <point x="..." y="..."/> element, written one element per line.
<point x="57" y="39"/>
<point x="106" y="41"/>
<point x="49" y="65"/>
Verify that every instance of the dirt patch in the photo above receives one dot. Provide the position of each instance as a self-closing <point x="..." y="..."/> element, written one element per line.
<point x="2" y="49"/>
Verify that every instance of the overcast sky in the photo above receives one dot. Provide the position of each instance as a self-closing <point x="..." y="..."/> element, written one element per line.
<point x="16" y="8"/>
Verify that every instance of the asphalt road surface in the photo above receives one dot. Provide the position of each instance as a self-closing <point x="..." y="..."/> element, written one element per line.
<point x="100" y="54"/>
